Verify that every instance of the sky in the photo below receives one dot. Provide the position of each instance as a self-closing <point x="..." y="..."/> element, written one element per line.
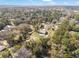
<point x="39" y="2"/>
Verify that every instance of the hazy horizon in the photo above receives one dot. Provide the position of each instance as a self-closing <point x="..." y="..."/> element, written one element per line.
<point x="40" y="2"/>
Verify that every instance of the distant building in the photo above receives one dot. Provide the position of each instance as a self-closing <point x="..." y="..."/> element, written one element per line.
<point x="42" y="31"/>
<point x="2" y="47"/>
<point x="8" y="27"/>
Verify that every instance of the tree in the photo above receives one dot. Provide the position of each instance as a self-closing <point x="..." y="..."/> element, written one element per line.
<point x="3" y="23"/>
<point x="60" y="40"/>
<point x="76" y="16"/>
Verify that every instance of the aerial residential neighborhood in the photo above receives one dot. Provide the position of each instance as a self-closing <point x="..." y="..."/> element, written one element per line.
<point x="39" y="29"/>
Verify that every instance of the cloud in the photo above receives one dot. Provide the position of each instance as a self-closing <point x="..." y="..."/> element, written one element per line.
<point x="65" y="3"/>
<point x="47" y="0"/>
<point x="77" y="2"/>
